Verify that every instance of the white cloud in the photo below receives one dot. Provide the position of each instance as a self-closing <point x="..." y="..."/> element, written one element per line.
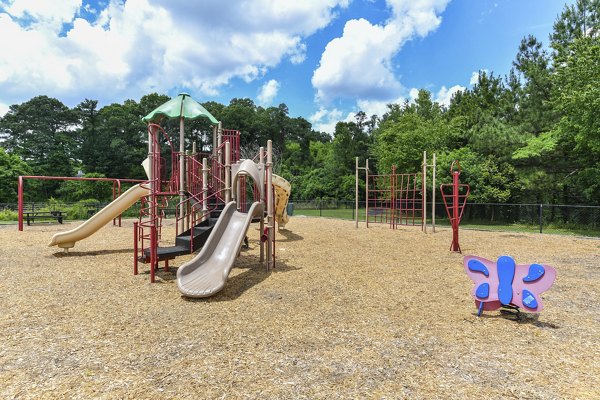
<point x="413" y="94"/>
<point x="324" y="120"/>
<point x="475" y="76"/>
<point x="445" y="95"/>
<point x="268" y="92"/>
<point x="138" y="46"/>
<point x="359" y="63"/>
<point x="377" y="107"/>
<point x="45" y="14"/>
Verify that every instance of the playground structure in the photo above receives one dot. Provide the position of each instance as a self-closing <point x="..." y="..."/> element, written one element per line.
<point x="212" y="210"/>
<point x="396" y="198"/>
<point x="455" y="202"/>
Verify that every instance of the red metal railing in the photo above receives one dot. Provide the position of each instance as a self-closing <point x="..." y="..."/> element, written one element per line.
<point x="233" y="137"/>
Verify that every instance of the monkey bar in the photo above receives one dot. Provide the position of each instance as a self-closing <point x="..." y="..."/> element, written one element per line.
<point x="396" y="199"/>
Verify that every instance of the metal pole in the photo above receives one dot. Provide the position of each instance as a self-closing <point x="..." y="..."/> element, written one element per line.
<point x="153" y="257"/>
<point x="152" y="202"/>
<point x="356" y="193"/>
<point x="220" y="141"/>
<point x="227" y="172"/>
<point x="204" y="186"/>
<point x="270" y="219"/>
<point x="261" y="161"/>
<point x="433" y="195"/>
<point x="367" y="193"/>
<point x="181" y="173"/>
<point x="393" y="197"/>
<point x="135" y="248"/>
<point x="424" y="191"/>
<point x="215" y="145"/>
<point x="455" y="246"/>
<point x="20" y="195"/>
<point x="541" y="217"/>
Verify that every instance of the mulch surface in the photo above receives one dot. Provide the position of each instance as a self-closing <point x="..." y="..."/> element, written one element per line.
<point x="348" y="313"/>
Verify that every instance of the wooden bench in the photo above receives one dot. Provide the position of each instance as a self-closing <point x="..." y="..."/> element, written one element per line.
<point x="31" y="216"/>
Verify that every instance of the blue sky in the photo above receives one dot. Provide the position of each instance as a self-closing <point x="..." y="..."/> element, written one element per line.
<point x="326" y="59"/>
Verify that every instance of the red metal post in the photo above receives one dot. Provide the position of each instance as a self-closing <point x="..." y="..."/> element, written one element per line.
<point x="153" y="248"/>
<point x="393" y="197"/>
<point x="455" y="216"/>
<point x="118" y="194"/>
<point x="135" y="248"/>
<point x="20" y="195"/>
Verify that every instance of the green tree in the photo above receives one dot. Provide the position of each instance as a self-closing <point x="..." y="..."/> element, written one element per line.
<point x="578" y="20"/>
<point x="402" y="142"/>
<point x="121" y="141"/>
<point x="88" y="133"/>
<point x="11" y="167"/>
<point x="578" y="100"/>
<point x="86" y="190"/>
<point x="535" y="105"/>
<point x="41" y="132"/>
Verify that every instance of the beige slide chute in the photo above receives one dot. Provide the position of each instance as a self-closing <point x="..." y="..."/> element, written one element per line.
<point x="67" y="239"/>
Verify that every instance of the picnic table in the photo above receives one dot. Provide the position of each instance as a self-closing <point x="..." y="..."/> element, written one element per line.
<point x="31" y="216"/>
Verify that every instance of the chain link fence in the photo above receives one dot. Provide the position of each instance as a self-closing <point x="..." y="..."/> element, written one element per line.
<point x="542" y="218"/>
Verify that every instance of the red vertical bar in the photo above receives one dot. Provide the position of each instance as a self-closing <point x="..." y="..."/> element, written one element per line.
<point x="20" y="206"/>
<point x="401" y="197"/>
<point x="392" y="197"/>
<point x="152" y="252"/>
<point x="455" y="246"/>
<point x="135" y="248"/>
<point x="119" y="194"/>
<point x="414" y="197"/>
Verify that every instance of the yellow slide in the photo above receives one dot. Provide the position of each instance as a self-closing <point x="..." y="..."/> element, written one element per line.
<point x="67" y="239"/>
<point x="282" y="195"/>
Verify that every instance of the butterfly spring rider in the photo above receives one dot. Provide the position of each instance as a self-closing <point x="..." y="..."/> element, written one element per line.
<point x="505" y="284"/>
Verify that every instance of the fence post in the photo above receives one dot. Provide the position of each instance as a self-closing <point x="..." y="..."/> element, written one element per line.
<point x="320" y="207"/>
<point x="541" y="219"/>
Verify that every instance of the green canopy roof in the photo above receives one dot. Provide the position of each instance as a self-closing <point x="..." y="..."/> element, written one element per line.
<point x="181" y="106"/>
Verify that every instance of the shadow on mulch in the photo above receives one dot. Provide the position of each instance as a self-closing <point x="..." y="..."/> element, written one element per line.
<point x="289" y="236"/>
<point x="91" y="253"/>
<point x="236" y="285"/>
<point x="523" y="318"/>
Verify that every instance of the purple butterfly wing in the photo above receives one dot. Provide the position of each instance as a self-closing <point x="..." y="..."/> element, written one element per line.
<point x="482" y="271"/>
<point x="530" y="281"/>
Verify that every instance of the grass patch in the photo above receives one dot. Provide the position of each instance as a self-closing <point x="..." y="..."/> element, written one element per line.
<point x="348" y="214"/>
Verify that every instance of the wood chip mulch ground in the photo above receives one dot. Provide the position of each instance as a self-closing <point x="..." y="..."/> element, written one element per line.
<point x="348" y="314"/>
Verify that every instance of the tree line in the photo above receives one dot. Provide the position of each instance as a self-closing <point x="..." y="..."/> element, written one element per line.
<point x="530" y="136"/>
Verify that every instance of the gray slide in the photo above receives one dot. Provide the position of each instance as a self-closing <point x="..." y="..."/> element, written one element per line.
<point x="206" y="273"/>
